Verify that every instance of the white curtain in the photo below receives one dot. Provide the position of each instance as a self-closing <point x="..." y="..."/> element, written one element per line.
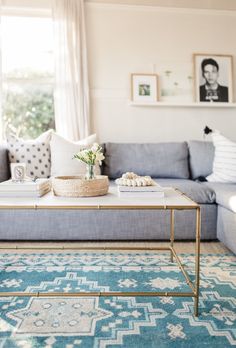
<point x="71" y="97"/>
<point x="1" y="75"/>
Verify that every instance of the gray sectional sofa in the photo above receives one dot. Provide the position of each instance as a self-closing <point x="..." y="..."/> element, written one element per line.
<point x="171" y="164"/>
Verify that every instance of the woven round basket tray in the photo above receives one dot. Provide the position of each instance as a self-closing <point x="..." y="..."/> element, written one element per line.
<point x="78" y="186"/>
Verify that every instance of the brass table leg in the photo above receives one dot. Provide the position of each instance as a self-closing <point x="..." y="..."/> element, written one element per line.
<point x="172" y="231"/>
<point x="197" y="261"/>
<point x="194" y="286"/>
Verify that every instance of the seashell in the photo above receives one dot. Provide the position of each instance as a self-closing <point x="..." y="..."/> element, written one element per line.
<point x="129" y="175"/>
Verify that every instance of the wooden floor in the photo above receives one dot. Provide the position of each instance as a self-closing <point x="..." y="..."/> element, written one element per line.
<point x="181" y="247"/>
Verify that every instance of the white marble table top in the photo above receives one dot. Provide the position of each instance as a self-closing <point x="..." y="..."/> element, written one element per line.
<point x="172" y="198"/>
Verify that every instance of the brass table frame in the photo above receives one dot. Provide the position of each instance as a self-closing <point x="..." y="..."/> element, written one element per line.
<point x="173" y="255"/>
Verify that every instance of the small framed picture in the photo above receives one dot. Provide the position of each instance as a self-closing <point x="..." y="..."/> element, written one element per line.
<point x="213" y="78"/>
<point x="144" y="88"/>
<point x="18" y="172"/>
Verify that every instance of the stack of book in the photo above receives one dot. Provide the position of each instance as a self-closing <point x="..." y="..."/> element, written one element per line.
<point x="26" y="188"/>
<point x="155" y="191"/>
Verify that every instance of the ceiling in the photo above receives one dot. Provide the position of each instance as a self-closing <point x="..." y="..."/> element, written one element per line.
<point x="195" y="4"/>
<point x="229" y="5"/>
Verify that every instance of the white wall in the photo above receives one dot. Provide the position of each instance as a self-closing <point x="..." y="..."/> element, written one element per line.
<point x="124" y="39"/>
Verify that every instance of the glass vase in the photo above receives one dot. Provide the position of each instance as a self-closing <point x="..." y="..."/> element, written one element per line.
<point x="90" y="172"/>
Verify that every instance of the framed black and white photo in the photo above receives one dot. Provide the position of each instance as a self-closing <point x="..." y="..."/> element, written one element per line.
<point x="213" y="78"/>
<point x="144" y="88"/>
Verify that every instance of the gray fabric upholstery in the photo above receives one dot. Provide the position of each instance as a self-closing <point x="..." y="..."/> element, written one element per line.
<point x="225" y="194"/>
<point x="166" y="160"/>
<point x="103" y="224"/>
<point x="201" y="155"/>
<point x="226" y="227"/>
<point x="4" y="163"/>
<point x="198" y="192"/>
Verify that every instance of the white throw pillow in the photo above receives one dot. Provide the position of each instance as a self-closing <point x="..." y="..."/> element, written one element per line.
<point x="224" y="164"/>
<point x="62" y="152"/>
<point x="34" y="153"/>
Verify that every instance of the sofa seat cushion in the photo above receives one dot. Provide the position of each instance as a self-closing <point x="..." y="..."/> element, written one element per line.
<point x="198" y="192"/>
<point x="225" y="194"/>
<point x="159" y="160"/>
<point x="99" y="224"/>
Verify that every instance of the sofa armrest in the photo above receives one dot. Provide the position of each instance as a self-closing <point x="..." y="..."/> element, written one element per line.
<point x="4" y="163"/>
<point x="225" y="195"/>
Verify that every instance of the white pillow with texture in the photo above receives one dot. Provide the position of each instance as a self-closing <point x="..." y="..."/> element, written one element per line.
<point x="34" y="153"/>
<point x="62" y="153"/>
<point x="224" y="164"/>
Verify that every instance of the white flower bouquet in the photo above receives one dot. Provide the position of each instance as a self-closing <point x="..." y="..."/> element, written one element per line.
<point x="91" y="157"/>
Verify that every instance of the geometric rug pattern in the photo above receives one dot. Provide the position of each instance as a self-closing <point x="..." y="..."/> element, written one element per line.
<point x="107" y="322"/>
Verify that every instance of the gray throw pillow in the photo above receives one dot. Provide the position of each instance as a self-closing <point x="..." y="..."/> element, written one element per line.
<point x="201" y="155"/>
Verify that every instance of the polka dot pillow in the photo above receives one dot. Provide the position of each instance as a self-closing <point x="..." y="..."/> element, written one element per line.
<point x="34" y="153"/>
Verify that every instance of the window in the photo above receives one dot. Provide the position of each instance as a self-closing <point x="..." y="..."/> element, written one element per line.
<point x="28" y="75"/>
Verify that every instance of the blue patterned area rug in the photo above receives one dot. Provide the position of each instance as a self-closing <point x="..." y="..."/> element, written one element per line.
<point x="105" y="322"/>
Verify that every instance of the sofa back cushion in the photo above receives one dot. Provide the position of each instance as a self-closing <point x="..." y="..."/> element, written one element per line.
<point x="159" y="160"/>
<point x="201" y="156"/>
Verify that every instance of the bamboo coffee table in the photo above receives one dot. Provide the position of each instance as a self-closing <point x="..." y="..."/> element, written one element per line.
<point x="173" y="200"/>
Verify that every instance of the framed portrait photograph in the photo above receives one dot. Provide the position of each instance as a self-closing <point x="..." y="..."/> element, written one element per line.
<point x="213" y="78"/>
<point x="144" y="88"/>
